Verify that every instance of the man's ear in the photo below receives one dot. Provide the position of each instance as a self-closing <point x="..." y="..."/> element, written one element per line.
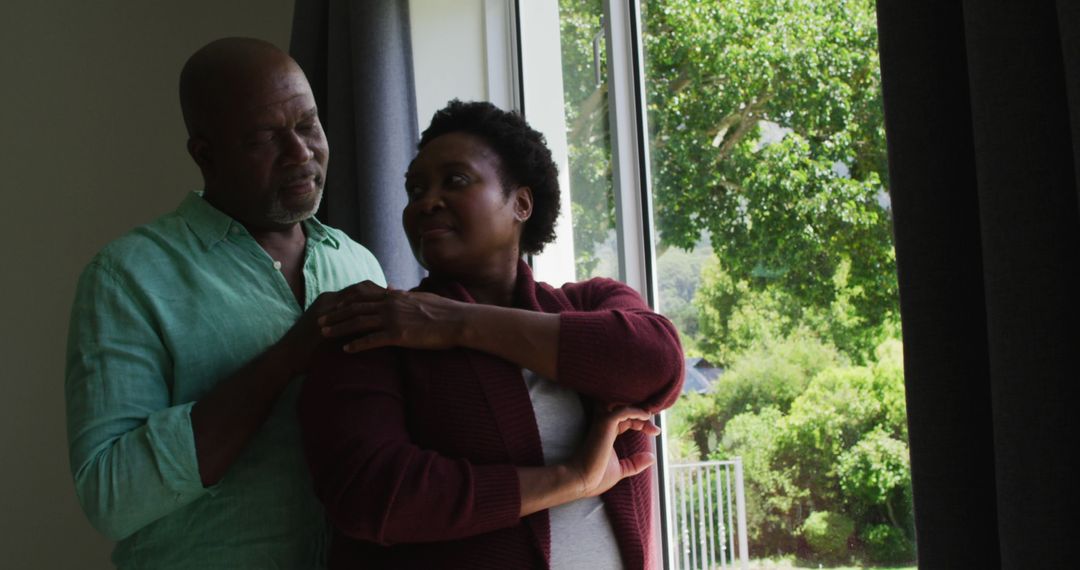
<point x="199" y="150"/>
<point x="523" y="203"/>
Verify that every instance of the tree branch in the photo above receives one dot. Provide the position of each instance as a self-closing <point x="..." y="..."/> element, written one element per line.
<point x="588" y="107"/>
<point x="747" y="119"/>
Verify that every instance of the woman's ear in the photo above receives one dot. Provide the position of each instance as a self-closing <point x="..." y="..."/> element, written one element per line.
<point x="523" y="203"/>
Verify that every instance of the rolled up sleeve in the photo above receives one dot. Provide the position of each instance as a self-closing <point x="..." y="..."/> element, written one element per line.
<point x="132" y="452"/>
<point x="615" y="349"/>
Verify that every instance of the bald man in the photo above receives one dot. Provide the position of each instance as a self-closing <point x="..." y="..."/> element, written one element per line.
<point x="188" y="335"/>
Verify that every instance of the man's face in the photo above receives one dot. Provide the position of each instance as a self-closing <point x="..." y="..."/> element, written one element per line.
<point x="267" y="150"/>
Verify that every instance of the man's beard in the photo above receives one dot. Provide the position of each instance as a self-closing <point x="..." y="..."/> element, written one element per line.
<point x="278" y="213"/>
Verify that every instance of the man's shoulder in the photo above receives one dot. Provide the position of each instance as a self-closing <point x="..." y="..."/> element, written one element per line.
<point x="142" y="244"/>
<point x="150" y="247"/>
<point x="355" y="257"/>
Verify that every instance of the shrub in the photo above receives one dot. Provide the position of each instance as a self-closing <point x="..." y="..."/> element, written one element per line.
<point x="773" y="374"/>
<point x="886" y="544"/>
<point x="690" y="427"/>
<point x="771" y="496"/>
<point x="828" y="418"/>
<point x="875" y="473"/>
<point x="827" y="534"/>
<point x="889" y="386"/>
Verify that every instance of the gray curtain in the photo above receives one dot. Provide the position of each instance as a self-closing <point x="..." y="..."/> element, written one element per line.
<point x="982" y="102"/>
<point x="358" y="57"/>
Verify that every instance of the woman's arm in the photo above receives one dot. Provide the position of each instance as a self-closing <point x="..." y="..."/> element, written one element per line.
<point x="594" y="469"/>
<point x="428" y="321"/>
<point x="378" y="486"/>
<point x="613" y="348"/>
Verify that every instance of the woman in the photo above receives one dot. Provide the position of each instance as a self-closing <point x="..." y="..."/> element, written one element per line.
<point x="476" y="421"/>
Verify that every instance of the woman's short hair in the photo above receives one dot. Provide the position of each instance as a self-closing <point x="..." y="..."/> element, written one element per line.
<point x="523" y="153"/>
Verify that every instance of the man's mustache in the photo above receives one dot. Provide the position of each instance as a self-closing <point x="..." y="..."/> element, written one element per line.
<point x="302" y="174"/>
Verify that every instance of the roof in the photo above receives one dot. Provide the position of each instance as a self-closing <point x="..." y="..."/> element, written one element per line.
<point x="699" y="375"/>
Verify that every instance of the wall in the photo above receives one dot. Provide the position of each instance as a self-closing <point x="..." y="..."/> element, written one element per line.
<point x="449" y="54"/>
<point x="92" y="145"/>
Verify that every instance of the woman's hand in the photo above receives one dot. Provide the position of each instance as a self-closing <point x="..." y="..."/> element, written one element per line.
<point x="387" y="317"/>
<point x="594" y="469"/>
<point x="596" y="463"/>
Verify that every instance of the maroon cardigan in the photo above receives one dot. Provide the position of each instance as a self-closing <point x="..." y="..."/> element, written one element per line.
<point x="413" y="452"/>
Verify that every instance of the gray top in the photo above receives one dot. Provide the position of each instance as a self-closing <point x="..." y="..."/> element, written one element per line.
<point x="581" y="533"/>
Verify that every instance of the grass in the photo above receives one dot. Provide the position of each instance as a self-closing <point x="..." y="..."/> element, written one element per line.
<point x="790" y="563"/>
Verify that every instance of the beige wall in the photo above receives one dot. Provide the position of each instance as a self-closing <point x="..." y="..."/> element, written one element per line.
<point x="92" y="144"/>
<point x="449" y="55"/>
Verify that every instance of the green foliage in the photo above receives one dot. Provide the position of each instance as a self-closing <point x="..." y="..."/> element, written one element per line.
<point x="733" y="317"/>
<point x="772" y="498"/>
<point x="827" y="534"/>
<point x="825" y="420"/>
<point x="814" y="432"/>
<point x="887" y="544"/>
<point x="875" y="474"/>
<point x="796" y="217"/>
<point x="588" y="133"/>
<point x="888" y="369"/>
<point x="787" y="213"/>
<point x="772" y="374"/>
<point x="687" y="427"/>
<point x="681" y="271"/>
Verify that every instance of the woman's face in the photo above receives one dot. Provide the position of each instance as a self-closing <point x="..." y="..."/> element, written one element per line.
<point x="459" y="220"/>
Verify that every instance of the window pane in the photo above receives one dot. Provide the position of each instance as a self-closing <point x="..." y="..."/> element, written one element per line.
<point x="584" y="61"/>
<point x="775" y="260"/>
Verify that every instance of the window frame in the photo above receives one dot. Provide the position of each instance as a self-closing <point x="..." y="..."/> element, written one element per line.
<point x="631" y="178"/>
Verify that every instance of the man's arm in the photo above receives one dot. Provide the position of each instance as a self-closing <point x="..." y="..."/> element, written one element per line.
<point x="224" y="420"/>
<point x="134" y="455"/>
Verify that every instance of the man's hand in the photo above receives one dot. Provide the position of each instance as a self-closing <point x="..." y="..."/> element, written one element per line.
<point x="596" y="463"/>
<point x="300" y="342"/>
<point x="387" y="317"/>
<point x="224" y="420"/>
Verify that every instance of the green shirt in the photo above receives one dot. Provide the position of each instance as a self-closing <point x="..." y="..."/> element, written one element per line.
<point x="161" y="315"/>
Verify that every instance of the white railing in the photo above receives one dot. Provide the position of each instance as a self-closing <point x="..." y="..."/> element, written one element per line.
<point x="708" y="515"/>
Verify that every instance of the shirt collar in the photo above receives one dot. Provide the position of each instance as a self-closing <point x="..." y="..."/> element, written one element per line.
<point x="212" y="225"/>
<point x="316" y="230"/>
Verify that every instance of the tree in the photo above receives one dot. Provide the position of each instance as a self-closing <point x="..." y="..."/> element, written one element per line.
<point x="791" y="212"/>
<point x="787" y="213"/>
<point x="733" y="317"/>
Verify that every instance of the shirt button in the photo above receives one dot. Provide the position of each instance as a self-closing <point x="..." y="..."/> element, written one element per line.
<point x="236" y="230"/>
<point x="277" y="265"/>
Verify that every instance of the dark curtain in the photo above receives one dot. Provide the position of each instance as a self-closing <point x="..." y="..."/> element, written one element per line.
<point x="982" y="109"/>
<point x="358" y="57"/>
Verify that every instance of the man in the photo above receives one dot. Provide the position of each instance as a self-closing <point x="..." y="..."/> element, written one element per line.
<point x="188" y="334"/>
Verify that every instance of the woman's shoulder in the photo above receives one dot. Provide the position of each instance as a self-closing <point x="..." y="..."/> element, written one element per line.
<point x="581" y="295"/>
<point x="331" y="367"/>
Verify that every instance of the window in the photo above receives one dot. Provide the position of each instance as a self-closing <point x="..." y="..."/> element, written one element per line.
<point x="755" y="131"/>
